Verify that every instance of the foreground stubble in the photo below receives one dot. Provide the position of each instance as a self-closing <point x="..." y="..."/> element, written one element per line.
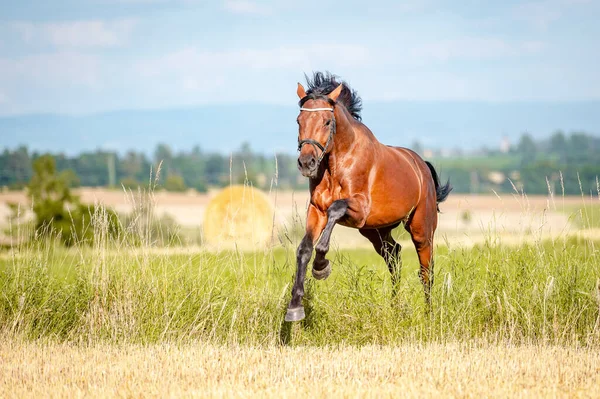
<point x="163" y="370"/>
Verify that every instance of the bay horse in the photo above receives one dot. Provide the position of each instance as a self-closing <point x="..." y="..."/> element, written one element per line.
<point x="357" y="182"/>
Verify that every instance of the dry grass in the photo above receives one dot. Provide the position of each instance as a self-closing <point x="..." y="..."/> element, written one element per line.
<point x="459" y="370"/>
<point x="239" y="216"/>
<point x="514" y="217"/>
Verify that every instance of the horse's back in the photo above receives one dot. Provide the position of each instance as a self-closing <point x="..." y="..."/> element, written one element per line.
<point x="427" y="183"/>
<point x="421" y="164"/>
<point x="397" y="186"/>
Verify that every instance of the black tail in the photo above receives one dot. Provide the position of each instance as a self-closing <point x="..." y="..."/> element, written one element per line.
<point x="441" y="192"/>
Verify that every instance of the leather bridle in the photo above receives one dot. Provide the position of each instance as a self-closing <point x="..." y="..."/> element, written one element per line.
<point x="315" y="143"/>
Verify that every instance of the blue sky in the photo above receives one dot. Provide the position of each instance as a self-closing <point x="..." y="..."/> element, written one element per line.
<point x="86" y="56"/>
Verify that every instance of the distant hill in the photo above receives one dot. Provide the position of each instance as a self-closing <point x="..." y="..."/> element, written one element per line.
<point x="270" y="128"/>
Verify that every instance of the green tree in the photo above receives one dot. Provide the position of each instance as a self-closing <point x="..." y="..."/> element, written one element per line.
<point x="580" y="147"/>
<point x="216" y="169"/>
<point x="558" y="145"/>
<point x="417" y="147"/>
<point x="163" y="154"/>
<point x="15" y="168"/>
<point x="175" y="183"/>
<point x="57" y="211"/>
<point x="527" y="149"/>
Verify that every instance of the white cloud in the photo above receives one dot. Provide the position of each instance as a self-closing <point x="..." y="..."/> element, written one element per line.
<point x="576" y="2"/>
<point x="144" y="2"/>
<point x="190" y="66"/>
<point x="541" y="14"/>
<point x="52" y="70"/>
<point x="471" y="48"/>
<point x="77" y="34"/>
<point x="247" y="7"/>
<point x="25" y="30"/>
<point x="193" y="70"/>
<point x="416" y="52"/>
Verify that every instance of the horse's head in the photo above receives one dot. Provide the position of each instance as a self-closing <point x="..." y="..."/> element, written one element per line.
<point x="316" y="126"/>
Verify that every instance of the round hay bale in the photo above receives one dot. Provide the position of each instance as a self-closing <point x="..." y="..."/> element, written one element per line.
<point x="239" y="216"/>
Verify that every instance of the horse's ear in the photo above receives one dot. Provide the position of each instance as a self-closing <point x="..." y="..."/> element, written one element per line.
<point x="301" y="93"/>
<point x="336" y="93"/>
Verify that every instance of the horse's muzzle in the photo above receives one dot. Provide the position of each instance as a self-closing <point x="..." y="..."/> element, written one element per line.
<point x="307" y="164"/>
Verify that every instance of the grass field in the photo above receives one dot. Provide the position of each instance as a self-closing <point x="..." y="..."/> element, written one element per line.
<point x="120" y="320"/>
<point x="543" y="293"/>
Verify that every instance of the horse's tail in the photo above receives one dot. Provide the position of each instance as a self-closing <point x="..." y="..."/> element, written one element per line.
<point x="441" y="192"/>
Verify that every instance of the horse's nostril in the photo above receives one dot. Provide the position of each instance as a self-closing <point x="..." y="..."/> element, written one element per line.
<point x="311" y="163"/>
<point x="299" y="163"/>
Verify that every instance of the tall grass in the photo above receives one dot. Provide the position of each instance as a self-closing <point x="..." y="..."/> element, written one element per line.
<point x="135" y="288"/>
<point x="547" y="292"/>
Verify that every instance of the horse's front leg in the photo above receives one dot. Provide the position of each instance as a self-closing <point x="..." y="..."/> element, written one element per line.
<point x="315" y="222"/>
<point x="354" y="210"/>
<point x="321" y="266"/>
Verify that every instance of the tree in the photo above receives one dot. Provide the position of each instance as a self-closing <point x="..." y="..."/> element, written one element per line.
<point x="132" y="164"/>
<point x="579" y="147"/>
<point x="59" y="212"/>
<point x="417" y="147"/>
<point x="15" y="168"/>
<point x="164" y="154"/>
<point x="558" y="142"/>
<point x="558" y="145"/>
<point x="247" y="169"/>
<point x="527" y="149"/>
<point x="215" y="168"/>
<point x="175" y="183"/>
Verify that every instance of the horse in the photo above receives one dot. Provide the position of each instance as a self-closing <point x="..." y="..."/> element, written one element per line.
<point x="358" y="182"/>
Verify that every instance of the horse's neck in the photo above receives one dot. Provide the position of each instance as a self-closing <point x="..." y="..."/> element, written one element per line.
<point x="343" y="143"/>
<point x="345" y="133"/>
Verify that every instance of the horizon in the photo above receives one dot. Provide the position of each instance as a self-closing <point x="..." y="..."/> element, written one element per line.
<point x="464" y="125"/>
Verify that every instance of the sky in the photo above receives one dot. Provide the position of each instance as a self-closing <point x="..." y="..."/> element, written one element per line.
<point x="80" y="57"/>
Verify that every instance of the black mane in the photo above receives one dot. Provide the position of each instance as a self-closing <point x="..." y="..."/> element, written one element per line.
<point x="322" y="84"/>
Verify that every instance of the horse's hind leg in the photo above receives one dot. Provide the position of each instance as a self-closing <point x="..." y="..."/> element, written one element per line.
<point x="388" y="249"/>
<point x="421" y="228"/>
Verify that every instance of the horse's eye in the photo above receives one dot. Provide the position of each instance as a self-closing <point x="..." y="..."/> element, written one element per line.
<point x="328" y="122"/>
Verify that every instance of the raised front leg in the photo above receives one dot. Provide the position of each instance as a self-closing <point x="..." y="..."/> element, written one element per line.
<point x="355" y="211"/>
<point x="321" y="266"/>
<point x="315" y="222"/>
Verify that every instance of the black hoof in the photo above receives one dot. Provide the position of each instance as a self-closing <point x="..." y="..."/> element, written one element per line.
<point x="295" y="314"/>
<point x="323" y="273"/>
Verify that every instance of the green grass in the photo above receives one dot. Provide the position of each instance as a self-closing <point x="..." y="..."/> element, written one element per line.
<point x="584" y="216"/>
<point x="504" y="161"/>
<point x="542" y="293"/>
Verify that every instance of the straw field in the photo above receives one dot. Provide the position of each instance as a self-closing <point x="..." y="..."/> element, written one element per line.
<point x="200" y="370"/>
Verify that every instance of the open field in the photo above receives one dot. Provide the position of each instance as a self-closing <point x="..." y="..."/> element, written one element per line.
<point x="466" y="219"/>
<point x="510" y="316"/>
<point x="546" y="293"/>
<point x="199" y="370"/>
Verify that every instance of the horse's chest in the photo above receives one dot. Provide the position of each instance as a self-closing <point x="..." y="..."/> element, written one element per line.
<point x="322" y="200"/>
<point x="325" y="194"/>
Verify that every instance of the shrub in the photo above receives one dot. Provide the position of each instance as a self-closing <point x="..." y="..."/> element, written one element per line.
<point x="59" y="213"/>
<point x="175" y="183"/>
